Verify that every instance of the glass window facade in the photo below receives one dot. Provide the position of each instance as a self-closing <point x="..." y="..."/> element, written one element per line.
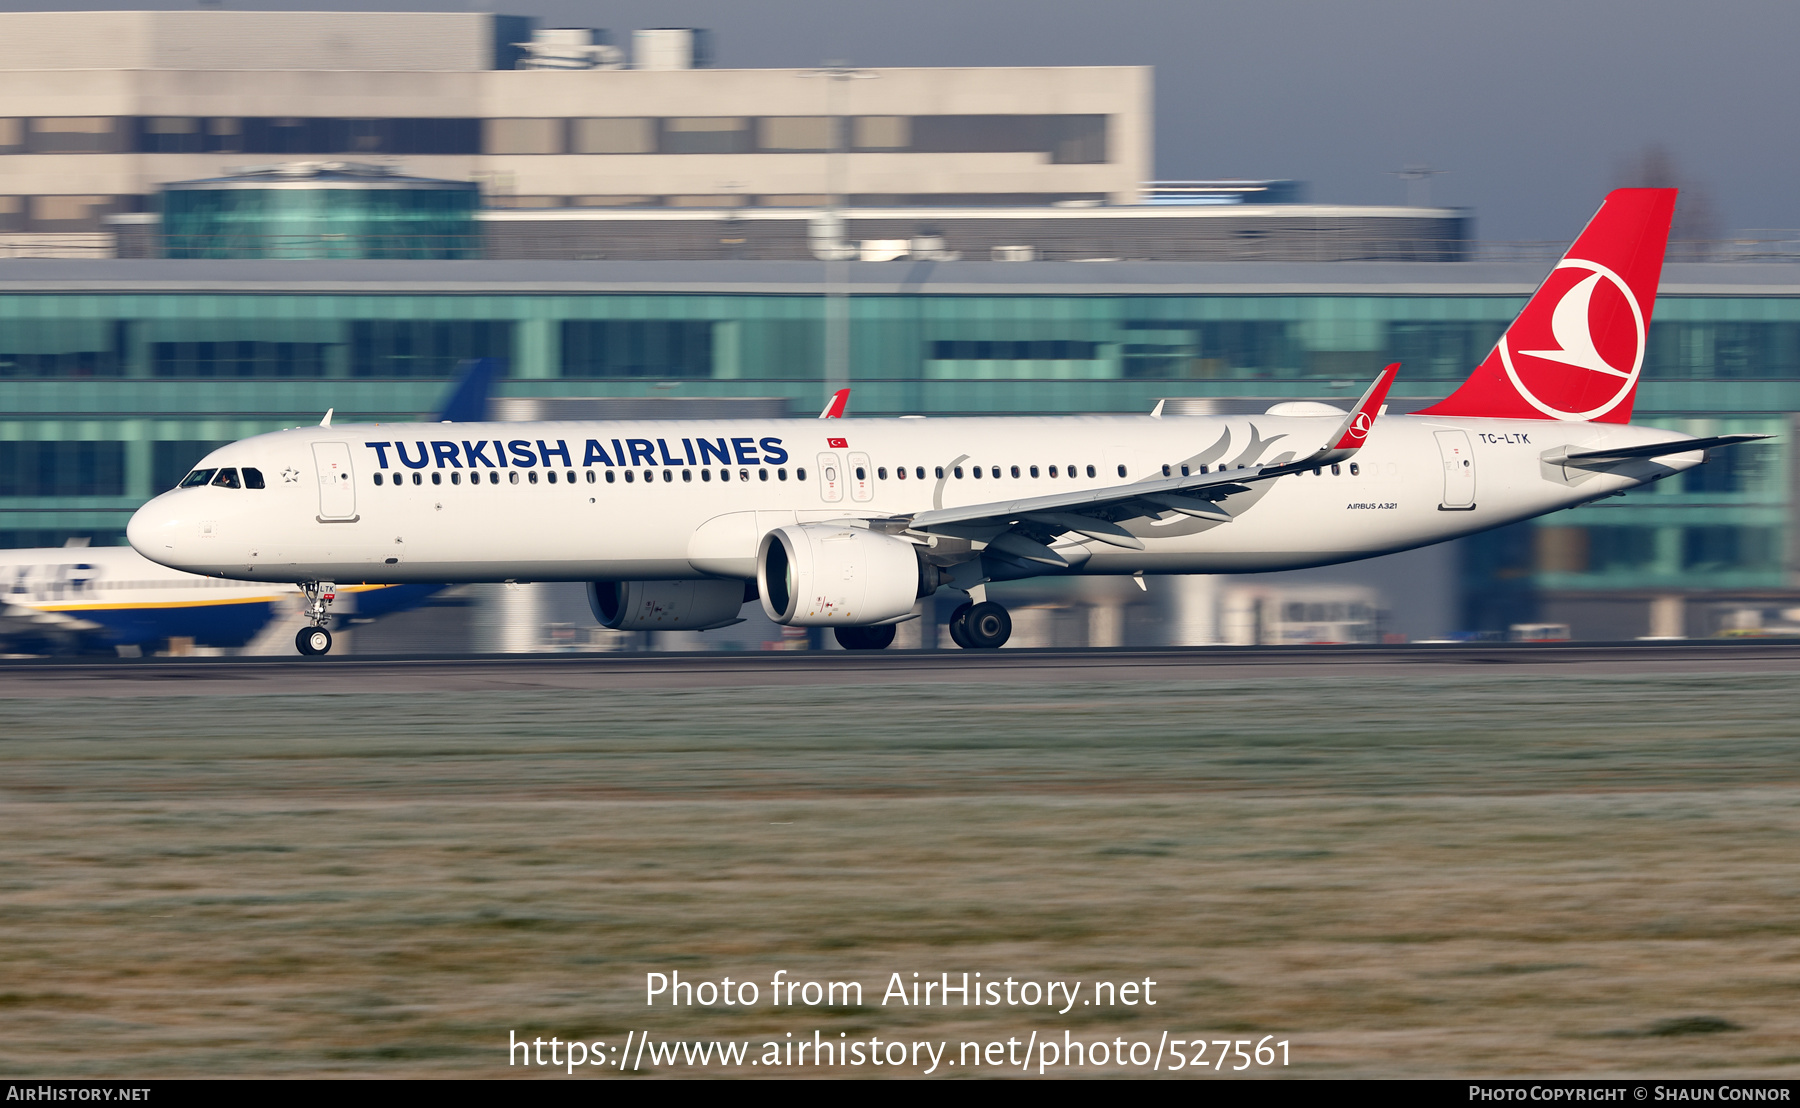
<point x="321" y="222"/>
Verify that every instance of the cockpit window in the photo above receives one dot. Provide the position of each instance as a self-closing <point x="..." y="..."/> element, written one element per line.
<point x="253" y="478"/>
<point x="196" y="478"/>
<point x="227" y="479"/>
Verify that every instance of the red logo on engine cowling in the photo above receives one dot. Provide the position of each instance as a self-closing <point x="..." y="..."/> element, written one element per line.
<point x="1579" y="358"/>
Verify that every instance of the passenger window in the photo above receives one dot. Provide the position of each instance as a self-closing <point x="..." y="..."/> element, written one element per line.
<point x="227" y="479"/>
<point x="1121" y="471"/>
<point x="1336" y="472"/>
<point x="688" y="476"/>
<point x="940" y="473"/>
<point x="1168" y="471"/>
<point x="590" y="477"/>
<point x="899" y="471"/>
<point x="1034" y="471"/>
<point x="1053" y="471"/>
<point x="958" y="472"/>
<point x="437" y="478"/>
<point x="744" y="475"/>
<point x="799" y="474"/>
<point x="570" y="477"/>
<point x="725" y="475"/>
<point x="628" y="477"/>
<point x="1203" y="471"/>
<point x="668" y="477"/>
<point x="531" y="475"/>
<point x="862" y="474"/>
<point x="196" y="478"/>
<point x="1184" y="472"/>
<point x="920" y="473"/>
<point x="977" y="472"/>
<point x="1015" y="471"/>
<point x="455" y="478"/>
<point x="1091" y="472"/>
<point x="513" y="477"/>
<point x="706" y="475"/>
<point x="378" y="478"/>
<point x="418" y="480"/>
<point x="830" y="473"/>
<point x="550" y="476"/>
<point x="253" y="478"/>
<point x="609" y="477"/>
<point x="782" y="473"/>
<point x="1354" y="469"/>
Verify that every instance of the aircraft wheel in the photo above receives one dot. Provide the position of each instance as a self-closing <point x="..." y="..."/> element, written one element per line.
<point x="865" y="638"/>
<point x="959" y="632"/>
<point x="313" y="641"/>
<point x="987" y="626"/>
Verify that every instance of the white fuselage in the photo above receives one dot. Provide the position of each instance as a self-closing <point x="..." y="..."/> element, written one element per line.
<point x="448" y="508"/>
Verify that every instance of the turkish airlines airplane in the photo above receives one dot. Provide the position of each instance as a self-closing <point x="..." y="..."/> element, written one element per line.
<point x="848" y="524"/>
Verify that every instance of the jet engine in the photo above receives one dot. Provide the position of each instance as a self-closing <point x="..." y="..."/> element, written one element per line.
<point x="823" y="574"/>
<point x="665" y="605"/>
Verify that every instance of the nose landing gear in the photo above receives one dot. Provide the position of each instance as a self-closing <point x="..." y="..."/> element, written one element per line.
<point x="313" y="641"/>
<point x="316" y="640"/>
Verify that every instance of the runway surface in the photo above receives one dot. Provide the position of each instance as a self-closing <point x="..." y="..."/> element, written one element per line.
<point x="35" y="677"/>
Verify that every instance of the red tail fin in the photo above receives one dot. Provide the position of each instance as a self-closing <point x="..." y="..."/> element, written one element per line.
<point x="1576" y="350"/>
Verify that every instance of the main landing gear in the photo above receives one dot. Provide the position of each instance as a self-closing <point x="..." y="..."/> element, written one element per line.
<point x="983" y="626"/>
<point x="316" y="640"/>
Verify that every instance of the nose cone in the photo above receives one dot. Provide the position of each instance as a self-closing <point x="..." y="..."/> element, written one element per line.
<point x="156" y="531"/>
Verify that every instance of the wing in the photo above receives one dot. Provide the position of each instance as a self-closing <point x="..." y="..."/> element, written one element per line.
<point x="1095" y="513"/>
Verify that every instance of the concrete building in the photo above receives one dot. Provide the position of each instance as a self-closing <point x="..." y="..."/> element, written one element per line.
<point x="103" y="107"/>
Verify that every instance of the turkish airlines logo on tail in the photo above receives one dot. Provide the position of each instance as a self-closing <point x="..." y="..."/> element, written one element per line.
<point x="1588" y="354"/>
<point x="1359" y="427"/>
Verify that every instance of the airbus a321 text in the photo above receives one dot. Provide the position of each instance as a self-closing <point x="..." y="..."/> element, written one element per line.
<point x="850" y="523"/>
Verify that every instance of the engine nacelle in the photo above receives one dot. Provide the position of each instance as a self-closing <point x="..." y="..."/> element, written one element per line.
<point x="665" y="605"/>
<point x="826" y="574"/>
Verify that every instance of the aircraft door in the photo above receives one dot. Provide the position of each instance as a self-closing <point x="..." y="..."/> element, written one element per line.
<point x="337" y="483"/>
<point x="860" y="478"/>
<point x="1459" y="471"/>
<point x="831" y="478"/>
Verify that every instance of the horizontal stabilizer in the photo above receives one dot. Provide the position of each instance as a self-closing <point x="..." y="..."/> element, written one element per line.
<point x="1649" y="450"/>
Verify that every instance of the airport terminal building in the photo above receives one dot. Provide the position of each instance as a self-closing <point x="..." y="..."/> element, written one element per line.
<point x="115" y="376"/>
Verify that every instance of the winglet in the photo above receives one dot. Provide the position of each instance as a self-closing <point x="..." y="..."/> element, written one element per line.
<point x="1351" y="433"/>
<point x="839" y="401"/>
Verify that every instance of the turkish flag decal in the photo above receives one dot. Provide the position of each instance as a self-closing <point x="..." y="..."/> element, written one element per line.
<point x="838" y="444"/>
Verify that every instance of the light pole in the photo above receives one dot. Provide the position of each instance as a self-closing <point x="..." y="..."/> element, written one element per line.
<point x="826" y="237"/>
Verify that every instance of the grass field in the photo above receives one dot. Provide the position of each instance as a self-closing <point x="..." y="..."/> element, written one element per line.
<point x="1430" y="877"/>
